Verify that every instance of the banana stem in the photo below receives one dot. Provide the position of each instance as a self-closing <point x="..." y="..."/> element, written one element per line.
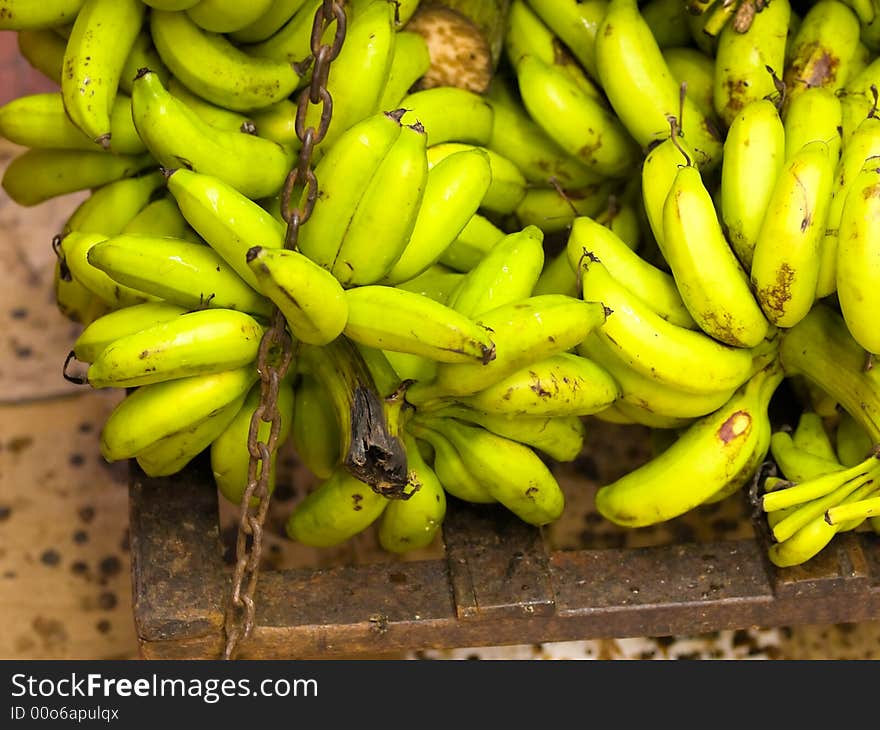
<point x="861" y="510"/>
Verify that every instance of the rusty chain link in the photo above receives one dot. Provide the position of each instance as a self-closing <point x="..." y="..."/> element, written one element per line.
<point x="276" y="347"/>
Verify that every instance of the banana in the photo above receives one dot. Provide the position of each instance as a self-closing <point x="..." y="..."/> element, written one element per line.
<point x="143" y="54"/>
<point x="692" y="67"/>
<point x="511" y="472"/>
<point x="111" y="207"/>
<point x="213" y="68"/>
<point x="39" y="120"/>
<point x="525" y="143"/>
<point x="553" y="210"/>
<point x="576" y="23"/>
<point x="161" y="217"/>
<point x="654" y="286"/>
<point x="315" y="429"/>
<point x="75" y="247"/>
<point x="203" y="342"/>
<point x="449" y="114"/>
<point x="337" y="510"/>
<point x="557" y="277"/>
<point x="621" y="216"/>
<point x="23" y="15"/>
<point x="851" y="443"/>
<point x="853" y="511"/>
<point x="523" y="332"/>
<point x="641" y="88"/>
<point x="103" y="34"/>
<point x="561" y="385"/>
<point x="718" y="297"/>
<point x="785" y="264"/>
<point x="865" y="10"/>
<point x="657" y="175"/>
<point x="403" y="170"/>
<point x="721" y="450"/>
<point x="437" y="282"/>
<point x="477" y="237"/>
<point x="810" y="435"/>
<point x="209" y="113"/>
<point x="410" y="61"/>
<point x="814" y="114"/>
<point x="310" y="298"/>
<point x="188" y="274"/>
<point x="745" y="63"/>
<point x="152" y="412"/>
<point x="579" y="124"/>
<point x="291" y="43"/>
<point x="454" y="189"/>
<point x="105" y="330"/>
<point x="226" y="16"/>
<point x="229" y="451"/>
<point x="388" y="318"/>
<point x="37" y="175"/>
<point x="641" y="391"/>
<point x="506" y="274"/>
<point x="754" y="154"/>
<point x="857" y="271"/>
<point x="74" y="300"/>
<point x="43" y="49"/>
<point x="447" y="464"/>
<point x="268" y="22"/>
<point x="674" y="356"/>
<point x="507" y="186"/>
<point x="343" y="174"/>
<point x="177" y="136"/>
<point x="170" y="454"/>
<point x="821" y="349"/>
<point x="667" y="20"/>
<point x="410" y="367"/>
<point x="277" y="123"/>
<point x="822" y="48"/>
<point x="857" y="98"/>
<point x="230" y="222"/>
<point x="413" y="523"/>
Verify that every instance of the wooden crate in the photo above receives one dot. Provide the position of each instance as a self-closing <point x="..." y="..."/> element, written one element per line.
<point x="498" y="582"/>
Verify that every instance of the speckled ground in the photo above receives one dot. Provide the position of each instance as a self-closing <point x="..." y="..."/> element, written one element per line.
<point x="64" y="562"/>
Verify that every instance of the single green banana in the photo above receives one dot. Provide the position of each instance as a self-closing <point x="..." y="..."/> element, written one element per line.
<point x="745" y="63"/>
<point x="37" y="175"/>
<point x="152" y="412"/>
<point x="858" y="273"/>
<point x="337" y="510"/>
<point x="582" y="126"/>
<point x="143" y="54"/>
<point x="718" y="297"/>
<point x="229" y="451"/>
<point x="177" y="137"/>
<point x="277" y="122"/>
<point x="111" y="207"/>
<point x="811" y="436"/>
<point x="449" y="467"/>
<point x="511" y="472"/>
<point x="315" y="430"/>
<point x="754" y="154"/>
<point x="43" y="49"/>
<point x="523" y="332"/>
<point x="202" y="342"/>
<point x="677" y="357"/>
<point x="454" y="189"/>
<point x="105" y="330"/>
<point x="623" y="218"/>
<point x="213" y="68"/>
<point x="477" y="237"/>
<point x="73" y="300"/>
<point x="226" y="16"/>
<point x="506" y="274"/>
<point x="641" y="87"/>
<point x="554" y="210"/>
<point x="693" y="68"/>
<point x="389" y="318"/>
<point x="24" y="15"/>
<point x="719" y="450"/>
<point x="667" y="20"/>
<point x="449" y="114"/>
<point x="785" y="264"/>
<point x="343" y="173"/>
<point x="576" y="22"/>
<point x="103" y="34"/>
<point x="414" y="523"/>
<point x="209" y="113"/>
<point x="851" y="443"/>
<point x="658" y="173"/>
<point x="188" y="274"/>
<point x="557" y="277"/>
<point x="268" y="23"/>
<point x="310" y="298"/>
<point x="172" y="453"/>
<point x="438" y="282"/>
<point x="161" y="217"/>
<point x="411" y="61"/>
<point x="654" y="286"/>
<point x="403" y="170"/>
<point x="814" y="114"/>
<point x="853" y="511"/>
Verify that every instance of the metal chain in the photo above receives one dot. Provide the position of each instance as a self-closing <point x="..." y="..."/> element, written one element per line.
<point x="276" y="347"/>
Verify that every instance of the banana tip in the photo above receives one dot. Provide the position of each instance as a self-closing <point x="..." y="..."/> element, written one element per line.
<point x="141" y="72"/>
<point x="252" y="253"/>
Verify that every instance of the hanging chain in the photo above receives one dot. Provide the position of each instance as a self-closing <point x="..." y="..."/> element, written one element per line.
<point x="276" y="347"/>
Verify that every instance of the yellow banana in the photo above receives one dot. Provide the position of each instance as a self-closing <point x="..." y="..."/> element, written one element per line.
<point x="449" y="114"/>
<point x="553" y="210"/>
<point x="814" y="114"/>
<point x="557" y="277"/>
<point x="410" y="61"/>
<point x="692" y="67"/>
<point x="811" y="436"/>
<point x="105" y="330"/>
<point x="851" y="443"/>
<point x="161" y="217"/>
<point x="44" y="50"/>
<point x="576" y="22"/>
<point x="209" y="113"/>
<point x="111" y="207"/>
<point x="658" y="172"/>
<point x="785" y="264"/>
<point x="437" y="282"/>
<point x="143" y="54"/>
<point x="668" y="22"/>
<point x="268" y="22"/>
<point x="315" y="429"/>
<point x="291" y="43"/>
<point x="226" y="16"/>
<point x="477" y="237"/>
<point x="25" y="15"/>
<point x="74" y="300"/>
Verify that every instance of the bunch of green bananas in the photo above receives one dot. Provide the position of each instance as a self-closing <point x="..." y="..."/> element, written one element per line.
<point x="656" y="214"/>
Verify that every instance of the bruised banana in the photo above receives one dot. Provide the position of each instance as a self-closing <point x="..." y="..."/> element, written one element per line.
<point x="207" y="341"/>
<point x="719" y="451"/>
<point x="230" y="455"/>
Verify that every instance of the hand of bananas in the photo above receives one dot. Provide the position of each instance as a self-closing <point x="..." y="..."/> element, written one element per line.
<point x="710" y="171"/>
